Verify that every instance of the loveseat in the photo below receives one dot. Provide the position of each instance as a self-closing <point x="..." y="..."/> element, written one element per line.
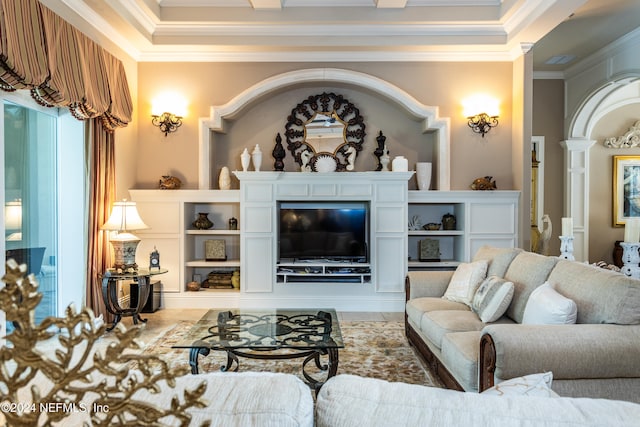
<point x="596" y="357"/>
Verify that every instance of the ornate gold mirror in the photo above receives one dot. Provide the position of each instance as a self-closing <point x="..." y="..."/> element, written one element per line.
<point x="324" y="133"/>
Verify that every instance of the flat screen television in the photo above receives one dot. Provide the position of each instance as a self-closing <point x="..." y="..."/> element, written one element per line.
<point x="329" y="231"/>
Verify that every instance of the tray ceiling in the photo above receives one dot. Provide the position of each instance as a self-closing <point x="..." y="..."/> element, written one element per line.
<point x="320" y="30"/>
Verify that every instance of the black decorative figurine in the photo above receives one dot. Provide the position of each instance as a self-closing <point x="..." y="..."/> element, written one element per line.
<point x="278" y="154"/>
<point x="379" y="152"/>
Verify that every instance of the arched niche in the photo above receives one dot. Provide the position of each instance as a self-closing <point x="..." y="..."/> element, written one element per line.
<point x="428" y="115"/>
<point x="618" y="92"/>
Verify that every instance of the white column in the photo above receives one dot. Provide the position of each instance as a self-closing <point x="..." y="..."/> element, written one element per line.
<point x="576" y="192"/>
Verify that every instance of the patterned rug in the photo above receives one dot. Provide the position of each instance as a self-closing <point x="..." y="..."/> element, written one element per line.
<point x="372" y="349"/>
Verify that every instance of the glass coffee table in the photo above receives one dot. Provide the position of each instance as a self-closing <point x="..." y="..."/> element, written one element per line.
<point x="268" y="334"/>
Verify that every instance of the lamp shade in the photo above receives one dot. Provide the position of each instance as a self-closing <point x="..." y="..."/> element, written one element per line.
<point x="13" y="215"/>
<point x="124" y="217"/>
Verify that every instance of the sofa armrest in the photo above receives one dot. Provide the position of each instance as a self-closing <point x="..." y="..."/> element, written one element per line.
<point x="570" y="351"/>
<point x="427" y="283"/>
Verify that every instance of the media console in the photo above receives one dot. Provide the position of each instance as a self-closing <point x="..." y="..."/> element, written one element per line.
<point x="323" y="272"/>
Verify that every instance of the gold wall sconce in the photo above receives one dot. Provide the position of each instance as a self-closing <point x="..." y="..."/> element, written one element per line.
<point x="167" y="111"/>
<point x="482" y="123"/>
<point x="481" y="112"/>
<point x="167" y="122"/>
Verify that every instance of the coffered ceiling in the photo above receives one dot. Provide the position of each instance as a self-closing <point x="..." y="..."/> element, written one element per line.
<point x="337" y="30"/>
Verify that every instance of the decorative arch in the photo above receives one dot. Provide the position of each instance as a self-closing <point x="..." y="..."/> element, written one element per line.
<point x="254" y="94"/>
<point x="618" y="92"/>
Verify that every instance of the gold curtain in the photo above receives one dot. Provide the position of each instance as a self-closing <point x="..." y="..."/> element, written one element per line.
<point x="100" y="148"/>
<point x="61" y="66"/>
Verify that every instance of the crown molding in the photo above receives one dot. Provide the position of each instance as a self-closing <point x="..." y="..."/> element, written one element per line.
<point x="325" y="56"/>
<point x="625" y="42"/>
<point x="548" y="75"/>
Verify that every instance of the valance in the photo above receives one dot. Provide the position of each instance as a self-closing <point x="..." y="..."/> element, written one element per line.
<point x="60" y="65"/>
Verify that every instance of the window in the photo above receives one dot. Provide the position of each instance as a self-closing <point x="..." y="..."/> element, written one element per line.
<point x="44" y="198"/>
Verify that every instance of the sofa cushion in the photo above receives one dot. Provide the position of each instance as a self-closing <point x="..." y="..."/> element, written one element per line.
<point x="527" y="271"/>
<point x="547" y="307"/>
<point x="347" y="400"/>
<point x="460" y="354"/>
<point x="492" y="298"/>
<point x="499" y="258"/>
<point x="465" y="281"/>
<point x="436" y="324"/>
<point x="528" y="385"/>
<point x="602" y="296"/>
<point x="417" y="307"/>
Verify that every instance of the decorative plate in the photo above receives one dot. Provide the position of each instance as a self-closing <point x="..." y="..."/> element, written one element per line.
<point x="325" y="163"/>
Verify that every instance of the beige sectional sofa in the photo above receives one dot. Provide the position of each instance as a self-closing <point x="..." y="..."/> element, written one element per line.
<point x="346" y="401"/>
<point x="597" y="357"/>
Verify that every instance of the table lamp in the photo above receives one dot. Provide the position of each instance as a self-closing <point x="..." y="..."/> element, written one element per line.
<point x="124" y="218"/>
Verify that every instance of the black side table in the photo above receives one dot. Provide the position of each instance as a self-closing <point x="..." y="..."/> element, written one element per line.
<point x="110" y="281"/>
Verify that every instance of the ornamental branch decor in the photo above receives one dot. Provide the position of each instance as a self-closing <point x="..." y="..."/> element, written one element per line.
<point x="73" y="376"/>
<point x="628" y="140"/>
<point x="331" y="105"/>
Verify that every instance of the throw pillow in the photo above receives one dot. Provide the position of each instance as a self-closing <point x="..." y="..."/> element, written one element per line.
<point x="465" y="281"/>
<point x="492" y="298"/>
<point x="547" y="307"/>
<point x="529" y="385"/>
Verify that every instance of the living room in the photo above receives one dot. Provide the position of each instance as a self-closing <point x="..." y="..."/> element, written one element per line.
<point x="413" y="96"/>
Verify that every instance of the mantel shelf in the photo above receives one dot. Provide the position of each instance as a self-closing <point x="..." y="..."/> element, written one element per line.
<point x="214" y="232"/>
<point x="436" y="233"/>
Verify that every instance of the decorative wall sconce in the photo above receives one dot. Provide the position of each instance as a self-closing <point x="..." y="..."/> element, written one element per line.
<point x="482" y="123"/>
<point x="481" y="112"/>
<point x="160" y="107"/>
<point x="167" y="122"/>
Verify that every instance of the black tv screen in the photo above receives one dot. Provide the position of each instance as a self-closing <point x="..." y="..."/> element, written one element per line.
<point x="323" y="231"/>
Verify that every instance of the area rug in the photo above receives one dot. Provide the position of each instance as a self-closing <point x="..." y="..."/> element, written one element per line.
<point x="372" y="349"/>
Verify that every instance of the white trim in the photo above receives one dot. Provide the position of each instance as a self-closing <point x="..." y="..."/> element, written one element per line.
<point x="576" y="192"/>
<point x="431" y="119"/>
<point x="183" y="54"/>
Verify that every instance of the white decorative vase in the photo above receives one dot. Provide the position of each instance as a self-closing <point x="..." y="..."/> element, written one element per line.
<point x="384" y="161"/>
<point x="400" y="164"/>
<point x="423" y="175"/>
<point x="256" y="158"/>
<point x="224" y="181"/>
<point x="245" y="159"/>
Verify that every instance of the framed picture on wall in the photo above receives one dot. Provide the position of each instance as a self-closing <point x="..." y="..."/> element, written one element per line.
<point x="626" y="189"/>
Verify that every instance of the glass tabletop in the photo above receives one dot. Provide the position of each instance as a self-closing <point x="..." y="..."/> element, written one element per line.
<point x="128" y="275"/>
<point x="222" y="329"/>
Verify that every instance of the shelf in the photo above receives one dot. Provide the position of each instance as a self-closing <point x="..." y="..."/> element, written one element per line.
<point x="214" y="232"/>
<point x="323" y="272"/>
<point x="436" y="233"/>
<point x="204" y="263"/>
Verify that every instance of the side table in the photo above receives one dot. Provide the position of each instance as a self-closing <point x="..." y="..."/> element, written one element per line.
<point x="110" y="281"/>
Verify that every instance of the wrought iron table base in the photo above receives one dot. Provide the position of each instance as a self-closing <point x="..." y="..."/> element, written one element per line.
<point x="310" y="355"/>
<point x="110" y="297"/>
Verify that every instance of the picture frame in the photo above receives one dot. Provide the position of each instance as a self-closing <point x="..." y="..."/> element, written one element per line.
<point x="215" y="250"/>
<point x="626" y="189"/>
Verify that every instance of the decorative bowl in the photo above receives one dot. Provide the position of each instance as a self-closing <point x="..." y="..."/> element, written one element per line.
<point x="432" y="226"/>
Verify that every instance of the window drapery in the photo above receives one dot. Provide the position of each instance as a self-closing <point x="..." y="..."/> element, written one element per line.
<point x="61" y="66"/>
<point x="101" y="149"/>
<point x="41" y="52"/>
